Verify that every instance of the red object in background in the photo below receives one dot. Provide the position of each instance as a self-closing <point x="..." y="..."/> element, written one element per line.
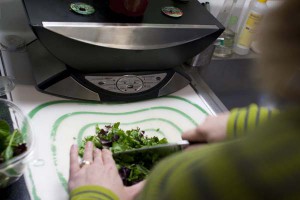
<point x="129" y="7"/>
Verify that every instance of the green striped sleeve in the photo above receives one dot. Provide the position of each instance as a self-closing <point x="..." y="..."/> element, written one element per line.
<point x="251" y="122"/>
<point x="92" y="192"/>
<point x="231" y="122"/>
<point x="243" y="120"/>
<point x="240" y="122"/>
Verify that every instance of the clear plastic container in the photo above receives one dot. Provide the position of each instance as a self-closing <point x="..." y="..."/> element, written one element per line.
<point x="229" y="16"/>
<point x="12" y="170"/>
<point x="6" y="85"/>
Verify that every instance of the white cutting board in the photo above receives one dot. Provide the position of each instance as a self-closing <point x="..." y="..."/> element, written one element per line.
<point x="58" y="123"/>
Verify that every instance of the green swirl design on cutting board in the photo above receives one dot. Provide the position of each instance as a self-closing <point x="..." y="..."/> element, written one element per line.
<point x="33" y="191"/>
<point x="61" y="178"/>
<point x="34" y="111"/>
<point x="62" y="118"/>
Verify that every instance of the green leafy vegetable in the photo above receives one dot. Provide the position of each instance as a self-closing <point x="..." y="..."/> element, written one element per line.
<point x="132" y="168"/>
<point x="10" y="144"/>
<point x="8" y="152"/>
<point x="4" y="133"/>
<point x="4" y="127"/>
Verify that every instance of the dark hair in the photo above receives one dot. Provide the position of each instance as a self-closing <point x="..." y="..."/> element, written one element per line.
<point x="280" y="43"/>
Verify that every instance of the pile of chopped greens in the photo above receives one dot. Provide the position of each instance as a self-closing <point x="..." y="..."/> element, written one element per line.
<point x="132" y="168"/>
<point x="11" y="144"/>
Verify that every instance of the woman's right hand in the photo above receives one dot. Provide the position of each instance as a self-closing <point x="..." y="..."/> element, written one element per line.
<point x="213" y="129"/>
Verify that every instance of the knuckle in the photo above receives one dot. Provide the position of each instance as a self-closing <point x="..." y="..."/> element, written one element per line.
<point x="201" y="132"/>
<point x="106" y="151"/>
<point x="199" y="129"/>
<point x="110" y="168"/>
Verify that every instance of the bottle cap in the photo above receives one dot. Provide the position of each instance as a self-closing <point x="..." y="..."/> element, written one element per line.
<point x="172" y="11"/>
<point x="82" y="8"/>
<point x="262" y="1"/>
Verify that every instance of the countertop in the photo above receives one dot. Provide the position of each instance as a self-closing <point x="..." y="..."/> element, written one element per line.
<point x="18" y="190"/>
<point x="18" y="65"/>
<point x="230" y="81"/>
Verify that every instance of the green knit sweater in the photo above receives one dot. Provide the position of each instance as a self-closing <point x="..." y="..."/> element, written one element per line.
<point x="261" y="160"/>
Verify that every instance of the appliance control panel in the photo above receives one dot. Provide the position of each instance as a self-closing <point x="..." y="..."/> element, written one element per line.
<point x="127" y="84"/>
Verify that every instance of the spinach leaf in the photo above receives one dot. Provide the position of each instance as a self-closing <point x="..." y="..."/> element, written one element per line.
<point x="4" y="128"/>
<point x="132" y="168"/>
<point x="16" y="140"/>
<point x="4" y="133"/>
<point x="8" y="152"/>
<point x="94" y="139"/>
<point x="10" y="144"/>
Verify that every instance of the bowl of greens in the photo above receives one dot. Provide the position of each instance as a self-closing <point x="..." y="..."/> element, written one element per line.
<point x="133" y="168"/>
<point x="16" y="143"/>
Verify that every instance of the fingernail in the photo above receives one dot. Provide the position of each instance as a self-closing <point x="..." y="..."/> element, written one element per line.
<point x="74" y="146"/>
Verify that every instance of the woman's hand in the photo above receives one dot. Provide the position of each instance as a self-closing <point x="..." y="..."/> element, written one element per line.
<point x="134" y="190"/>
<point x="213" y="129"/>
<point x="101" y="170"/>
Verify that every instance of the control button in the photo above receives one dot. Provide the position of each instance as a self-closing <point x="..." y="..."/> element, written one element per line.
<point x="130" y="84"/>
<point x="127" y="83"/>
<point x="122" y="88"/>
<point x="112" y="88"/>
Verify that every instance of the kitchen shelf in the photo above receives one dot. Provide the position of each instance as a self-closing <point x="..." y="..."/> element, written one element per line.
<point x="251" y="55"/>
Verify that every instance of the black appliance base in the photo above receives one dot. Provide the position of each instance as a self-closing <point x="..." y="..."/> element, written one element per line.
<point x="54" y="77"/>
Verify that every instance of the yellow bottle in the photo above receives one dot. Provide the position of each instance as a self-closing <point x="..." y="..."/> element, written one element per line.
<point x="249" y="27"/>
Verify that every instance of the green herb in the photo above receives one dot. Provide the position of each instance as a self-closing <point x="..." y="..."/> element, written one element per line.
<point x="132" y="168"/>
<point x="4" y="133"/>
<point x="10" y="144"/>
<point x="8" y="152"/>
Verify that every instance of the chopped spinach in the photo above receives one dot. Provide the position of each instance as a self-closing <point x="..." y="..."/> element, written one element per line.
<point x="11" y="144"/>
<point x="132" y="168"/>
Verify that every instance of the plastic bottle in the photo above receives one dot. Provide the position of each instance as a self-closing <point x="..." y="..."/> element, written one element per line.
<point x="229" y="16"/>
<point x="254" y="17"/>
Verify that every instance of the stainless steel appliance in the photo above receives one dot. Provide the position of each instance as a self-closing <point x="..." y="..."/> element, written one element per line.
<point x="110" y="57"/>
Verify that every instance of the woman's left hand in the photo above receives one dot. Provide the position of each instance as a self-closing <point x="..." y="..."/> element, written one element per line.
<point x="99" y="169"/>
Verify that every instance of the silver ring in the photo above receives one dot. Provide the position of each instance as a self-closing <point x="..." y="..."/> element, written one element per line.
<point x="85" y="162"/>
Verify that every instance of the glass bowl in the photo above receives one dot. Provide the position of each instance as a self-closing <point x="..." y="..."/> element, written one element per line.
<point x="11" y="170"/>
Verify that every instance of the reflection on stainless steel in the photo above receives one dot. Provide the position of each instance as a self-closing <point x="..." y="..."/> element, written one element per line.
<point x="131" y="36"/>
<point x="203" y="58"/>
<point x="212" y="102"/>
<point x="160" y="149"/>
<point x="72" y="89"/>
<point x="177" y="82"/>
